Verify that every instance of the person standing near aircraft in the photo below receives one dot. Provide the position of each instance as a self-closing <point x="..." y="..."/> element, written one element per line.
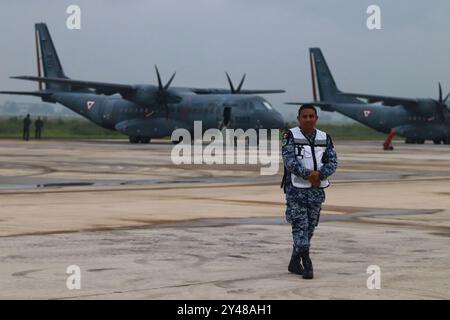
<point x="26" y="127"/>
<point x="38" y="124"/>
<point x="309" y="159"/>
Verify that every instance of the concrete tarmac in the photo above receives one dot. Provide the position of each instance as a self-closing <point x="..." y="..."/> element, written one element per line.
<point x="140" y="227"/>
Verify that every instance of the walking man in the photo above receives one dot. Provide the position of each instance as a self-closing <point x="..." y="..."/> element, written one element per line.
<point x="309" y="159"/>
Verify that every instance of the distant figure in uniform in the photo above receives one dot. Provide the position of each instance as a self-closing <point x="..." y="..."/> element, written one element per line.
<point x="309" y="159"/>
<point x="38" y="124"/>
<point x="26" y="127"/>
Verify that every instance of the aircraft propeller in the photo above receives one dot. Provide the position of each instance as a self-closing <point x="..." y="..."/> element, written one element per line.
<point x="442" y="102"/>
<point x="163" y="96"/>
<point x="232" y="89"/>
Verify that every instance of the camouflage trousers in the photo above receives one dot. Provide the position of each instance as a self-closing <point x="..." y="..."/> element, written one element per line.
<point x="303" y="212"/>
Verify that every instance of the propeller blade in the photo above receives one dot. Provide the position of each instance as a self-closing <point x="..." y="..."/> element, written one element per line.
<point x="159" y="78"/>
<point x="443" y="103"/>
<point x="170" y="81"/>
<point x="446" y="98"/>
<point x="230" y="82"/>
<point x="241" y="83"/>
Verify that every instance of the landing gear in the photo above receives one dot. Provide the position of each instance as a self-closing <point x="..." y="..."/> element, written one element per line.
<point x="387" y="145"/>
<point x="135" y="139"/>
<point x="411" y="141"/>
<point x="445" y="140"/>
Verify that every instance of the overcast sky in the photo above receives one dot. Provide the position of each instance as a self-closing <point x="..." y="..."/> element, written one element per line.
<point x="120" y="41"/>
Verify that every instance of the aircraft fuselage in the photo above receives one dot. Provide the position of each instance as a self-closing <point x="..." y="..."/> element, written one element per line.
<point x="214" y="110"/>
<point x="404" y="122"/>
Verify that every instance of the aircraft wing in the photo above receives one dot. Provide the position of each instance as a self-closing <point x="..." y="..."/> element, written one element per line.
<point x="386" y="100"/>
<point x="124" y="89"/>
<point x="227" y="91"/>
<point x="100" y="87"/>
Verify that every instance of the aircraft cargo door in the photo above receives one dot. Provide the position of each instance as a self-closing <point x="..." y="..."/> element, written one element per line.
<point x="226" y="116"/>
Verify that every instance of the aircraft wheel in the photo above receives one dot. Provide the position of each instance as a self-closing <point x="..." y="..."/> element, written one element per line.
<point x="446" y="140"/>
<point x="420" y="141"/>
<point x="437" y="141"/>
<point x="409" y="140"/>
<point x="145" y="139"/>
<point x="133" y="139"/>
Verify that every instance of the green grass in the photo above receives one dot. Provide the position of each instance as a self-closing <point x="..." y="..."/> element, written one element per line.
<point x="72" y="128"/>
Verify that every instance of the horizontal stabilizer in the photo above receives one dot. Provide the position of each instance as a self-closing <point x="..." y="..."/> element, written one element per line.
<point x="101" y="87"/>
<point x="41" y="94"/>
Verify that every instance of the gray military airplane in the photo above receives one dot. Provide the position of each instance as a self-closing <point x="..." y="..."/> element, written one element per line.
<point x="147" y="111"/>
<point x="415" y="119"/>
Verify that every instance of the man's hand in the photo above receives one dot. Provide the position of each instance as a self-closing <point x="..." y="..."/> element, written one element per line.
<point x="314" y="178"/>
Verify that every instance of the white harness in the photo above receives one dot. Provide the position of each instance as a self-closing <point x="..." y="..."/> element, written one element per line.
<point x="309" y="155"/>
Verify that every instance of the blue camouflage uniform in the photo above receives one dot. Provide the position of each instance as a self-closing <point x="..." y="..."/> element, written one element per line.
<point x="303" y="205"/>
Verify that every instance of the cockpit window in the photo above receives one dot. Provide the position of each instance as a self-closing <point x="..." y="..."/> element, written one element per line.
<point x="267" y="105"/>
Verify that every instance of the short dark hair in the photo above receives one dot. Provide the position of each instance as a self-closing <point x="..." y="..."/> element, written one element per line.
<point x="307" y="106"/>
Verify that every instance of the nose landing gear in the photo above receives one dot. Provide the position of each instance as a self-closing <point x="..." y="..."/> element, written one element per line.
<point x="135" y="139"/>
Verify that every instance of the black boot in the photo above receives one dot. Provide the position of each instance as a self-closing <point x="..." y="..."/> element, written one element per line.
<point x="307" y="264"/>
<point x="295" y="265"/>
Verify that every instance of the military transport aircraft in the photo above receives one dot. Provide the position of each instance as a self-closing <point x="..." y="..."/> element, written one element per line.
<point x="415" y="119"/>
<point x="147" y="111"/>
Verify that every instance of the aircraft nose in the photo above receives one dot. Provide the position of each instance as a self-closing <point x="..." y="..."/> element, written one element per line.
<point x="278" y="120"/>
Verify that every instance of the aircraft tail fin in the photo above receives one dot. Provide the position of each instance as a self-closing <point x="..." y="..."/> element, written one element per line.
<point x="323" y="84"/>
<point x="47" y="59"/>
